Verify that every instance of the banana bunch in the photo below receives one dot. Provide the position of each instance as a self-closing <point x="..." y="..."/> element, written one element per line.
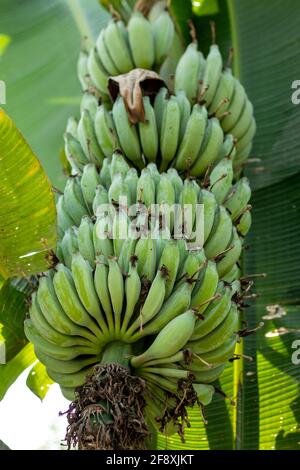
<point x="205" y="81"/>
<point x="174" y="134"/>
<point x="119" y="48"/>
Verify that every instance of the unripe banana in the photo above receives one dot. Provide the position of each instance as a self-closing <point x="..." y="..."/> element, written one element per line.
<point x="70" y="380"/>
<point x="145" y="191"/>
<point x="220" y="235"/>
<point x="54" y="313"/>
<point x="238" y="198"/>
<point x="232" y="255"/>
<point x="169" y="132"/>
<point x="98" y="74"/>
<point x="233" y="274"/>
<point x="118" y="165"/>
<point x="90" y="103"/>
<point x="82" y="70"/>
<point x="89" y="182"/>
<point x="84" y="282"/>
<point x="148" y="132"/>
<point x="45" y="329"/>
<point x="223" y="95"/>
<point x="116" y="290"/>
<point x="185" y="112"/>
<point x="188" y="200"/>
<point x="167" y="372"/>
<point x="71" y="127"/>
<point x="120" y="230"/>
<point x="74" y="201"/>
<point x="69" y="245"/>
<point x="163" y="33"/>
<point x="246" y="140"/>
<point x="210" y="149"/>
<point x="177" y="303"/>
<point x="177" y="357"/>
<point x="101" y="197"/>
<point x="215" y="357"/>
<point x="154" y="173"/>
<point x="85" y="240"/>
<point x="104" y="52"/>
<point x="146" y="254"/>
<point x="88" y="140"/>
<point x="176" y="181"/>
<point x="171" y="339"/>
<point x="235" y="108"/>
<point x="205" y="287"/>
<point x="216" y="312"/>
<point x="68" y="298"/>
<point x="209" y="376"/>
<point x="105" y="131"/>
<point x="165" y="197"/>
<point x="127" y="251"/>
<point x="210" y="206"/>
<point x="217" y="337"/>
<point x="132" y="293"/>
<point x="64" y="221"/>
<point x="118" y="48"/>
<point x="141" y="41"/>
<point x="193" y="264"/>
<point x="131" y="180"/>
<point x="221" y="179"/>
<point x="244" y="223"/>
<point x="212" y="74"/>
<point x="204" y="393"/>
<point x="127" y="133"/>
<point x="193" y="62"/>
<point x="103" y="245"/>
<point x="104" y="174"/>
<point x="160" y="103"/>
<point x="170" y="259"/>
<point x="66" y="367"/>
<point x="191" y="143"/>
<point x="101" y="287"/>
<point x="74" y="153"/>
<point x="244" y="121"/>
<point x="168" y="384"/>
<point x="117" y="190"/>
<point x="55" y="351"/>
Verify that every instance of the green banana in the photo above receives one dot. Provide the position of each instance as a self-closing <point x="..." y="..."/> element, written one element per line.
<point x="221" y="179"/>
<point x="118" y="48"/>
<point x="169" y="260"/>
<point x="160" y="104"/>
<point x="219" y="335"/>
<point x="238" y="198"/>
<point x="88" y="140"/>
<point x="170" y="339"/>
<point x="105" y="131"/>
<point x="115" y="284"/>
<point x="101" y="287"/>
<point x="215" y="357"/>
<point x="127" y="133"/>
<point x="132" y="293"/>
<point x="69" y="245"/>
<point x="244" y="121"/>
<point x="64" y="221"/>
<point x="166" y="372"/>
<point x="233" y="274"/>
<point x="104" y="52"/>
<point x="101" y="197"/>
<point x="84" y="282"/>
<point x="90" y="103"/>
<point x="244" y="223"/>
<point x="220" y="235"/>
<point x="190" y="145"/>
<point x="210" y="149"/>
<point x="74" y="201"/>
<point x="118" y="165"/>
<point x="141" y="41"/>
<point x="163" y="34"/>
<point x="82" y="70"/>
<point x="169" y="136"/>
<point x="205" y="287"/>
<point x="145" y="251"/>
<point x="212" y="75"/>
<point x="85" y="240"/>
<point x="235" y="108"/>
<point x="97" y="72"/>
<point x="223" y="95"/>
<point x="66" y="367"/>
<point x="209" y="376"/>
<point x="148" y="132"/>
<point x="185" y="112"/>
<point x="193" y="62"/>
<point x="103" y="244"/>
<point x="70" y="380"/>
<point x="74" y="153"/>
<point x="176" y="181"/>
<point x="104" y="174"/>
<point x="131" y="180"/>
<point x="88" y="183"/>
<point x="207" y="198"/>
<point x="231" y="256"/>
<point x="70" y="302"/>
<point x="145" y="191"/>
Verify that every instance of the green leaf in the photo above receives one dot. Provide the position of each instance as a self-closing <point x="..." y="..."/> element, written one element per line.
<point x="13" y="308"/>
<point x="39" y="69"/>
<point x="205" y="7"/>
<point x="27" y="214"/>
<point x="38" y="380"/>
<point x="10" y="372"/>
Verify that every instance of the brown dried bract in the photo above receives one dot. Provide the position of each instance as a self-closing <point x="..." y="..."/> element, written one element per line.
<point x="132" y="87"/>
<point x="108" y="413"/>
<point x="144" y="6"/>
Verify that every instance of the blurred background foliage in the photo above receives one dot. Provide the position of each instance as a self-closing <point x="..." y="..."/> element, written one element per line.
<point x="39" y="43"/>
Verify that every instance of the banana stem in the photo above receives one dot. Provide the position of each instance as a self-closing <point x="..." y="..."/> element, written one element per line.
<point x="117" y="352"/>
